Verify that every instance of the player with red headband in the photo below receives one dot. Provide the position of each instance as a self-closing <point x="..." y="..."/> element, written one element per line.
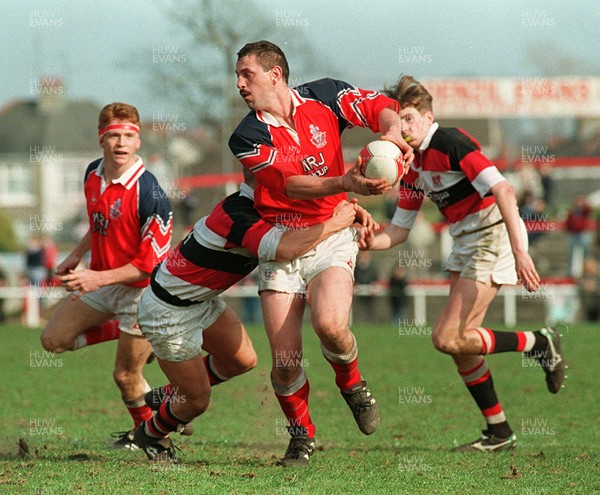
<point x="130" y="232"/>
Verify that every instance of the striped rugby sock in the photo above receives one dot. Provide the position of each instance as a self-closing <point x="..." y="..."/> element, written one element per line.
<point x="214" y="377"/>
<point x="138" y="409"/>
<point x="493" y="342"/>
<point x="164" y="422"/>
<point x="293" y="400"/>
<point x="109" y="330"/>
<point x="345" y="366"/>
<point x="481" y="386"/>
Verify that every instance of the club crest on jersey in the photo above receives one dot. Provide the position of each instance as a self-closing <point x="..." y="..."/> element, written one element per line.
<point x="115" y="210"/>
<point x="93" y="199"/>
<point x="437" y="180"/>
<point x="318" y="138"/>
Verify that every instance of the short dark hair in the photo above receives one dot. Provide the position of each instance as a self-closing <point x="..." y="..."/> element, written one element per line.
<point x="410" y="93"/>
<point x="268" y="55"/>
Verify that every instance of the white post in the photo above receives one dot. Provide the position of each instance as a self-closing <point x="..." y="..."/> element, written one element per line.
<point x="510" y="306"/>
<point x="32" y="318"/>
<point x="420" y="305"/>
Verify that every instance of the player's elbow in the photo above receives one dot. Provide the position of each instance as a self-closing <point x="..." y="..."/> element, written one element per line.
<point x="503" y="188"/>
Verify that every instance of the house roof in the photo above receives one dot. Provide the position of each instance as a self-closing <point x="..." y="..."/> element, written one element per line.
<point x="69" y="126"/>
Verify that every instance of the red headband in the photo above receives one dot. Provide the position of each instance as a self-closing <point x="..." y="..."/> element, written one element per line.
<point x="130" y="127"/>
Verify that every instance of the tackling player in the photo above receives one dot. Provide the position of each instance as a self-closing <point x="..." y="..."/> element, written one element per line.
<point x="291" y="141"/>
<point x="181" y="312"/>
<point x="130" y="231"/>
<point x="489" y="250"/>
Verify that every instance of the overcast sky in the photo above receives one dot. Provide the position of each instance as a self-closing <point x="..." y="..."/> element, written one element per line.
<point x="367" y="42"/>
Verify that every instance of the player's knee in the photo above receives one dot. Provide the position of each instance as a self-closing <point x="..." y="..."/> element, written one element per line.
<point x="445" y="345"/>
<point x="249" y="361"/>
<point x="198" y="404"/>
<point x="51" y="344"/>
<point x="333" y="334"/>
<point x="125" y="379"/>
<point x="244" y="361"/>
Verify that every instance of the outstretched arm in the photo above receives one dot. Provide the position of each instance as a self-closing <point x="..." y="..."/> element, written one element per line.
<point x="294" y="243"/>
<point x="309" y="187"/>
<point x="506" y="200"/>
<point x="389" y="237"/>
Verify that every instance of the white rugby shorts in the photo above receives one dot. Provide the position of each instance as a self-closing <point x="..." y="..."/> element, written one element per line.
<point x="175" y="332"/>
<point x="338" y="250"/>
<point x="485" y="255"/>
<point x="120" y="300"/>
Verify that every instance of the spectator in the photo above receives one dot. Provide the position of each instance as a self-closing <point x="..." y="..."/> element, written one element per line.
<point x="589" y="289"/>
<point x="365" y="273"/>
<point x="547" y="184"/>
<point x="527" y="178"/>
<point x="397" y="287"/>
<point x="34" y="262"/>
<point x="49" y="257"/>
<point x="580" y="238"/>
<point x="532" y="212"/>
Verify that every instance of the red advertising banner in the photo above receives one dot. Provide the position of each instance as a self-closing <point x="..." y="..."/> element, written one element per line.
<point x="515" y="97"/>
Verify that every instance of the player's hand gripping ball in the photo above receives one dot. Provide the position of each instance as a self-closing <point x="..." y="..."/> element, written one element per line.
<point x="382" y="160"/>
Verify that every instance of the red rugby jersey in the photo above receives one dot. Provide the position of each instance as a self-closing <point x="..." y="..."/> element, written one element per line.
<point x="130" y="219"/>
<point x="321" y="110"/>
<point x="221" y="250"/>
<point x="451" y="170"/>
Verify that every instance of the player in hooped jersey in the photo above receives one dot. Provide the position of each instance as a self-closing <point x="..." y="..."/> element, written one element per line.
<point x="489" y="250"/>
<point x="130" y="232"/>
<point x="291" y="141"/>
<point x="181" y="312"/>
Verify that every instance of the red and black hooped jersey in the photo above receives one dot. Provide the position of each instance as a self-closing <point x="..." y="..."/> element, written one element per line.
<point x="273" y="152"/>
<point x="221" y="250"/>
<point x="130" y="219"/>
<point x="451" y="170"/>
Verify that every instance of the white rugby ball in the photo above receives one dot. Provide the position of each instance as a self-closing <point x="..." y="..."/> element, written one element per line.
<point x="382" y="160"/>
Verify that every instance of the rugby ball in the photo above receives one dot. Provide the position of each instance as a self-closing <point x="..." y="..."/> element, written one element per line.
<point x="382" y="160"/>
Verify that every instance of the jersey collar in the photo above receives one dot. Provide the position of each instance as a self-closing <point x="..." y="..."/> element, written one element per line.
<point x="427" y="140"/>
<point x="128" y="178"/>
<point x="268" y="119"/>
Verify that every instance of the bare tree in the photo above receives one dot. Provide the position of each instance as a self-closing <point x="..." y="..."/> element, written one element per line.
<point x="204" y="85"/>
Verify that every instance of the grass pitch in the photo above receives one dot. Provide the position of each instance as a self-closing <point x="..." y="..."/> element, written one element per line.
<point x="65" y="407"/>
